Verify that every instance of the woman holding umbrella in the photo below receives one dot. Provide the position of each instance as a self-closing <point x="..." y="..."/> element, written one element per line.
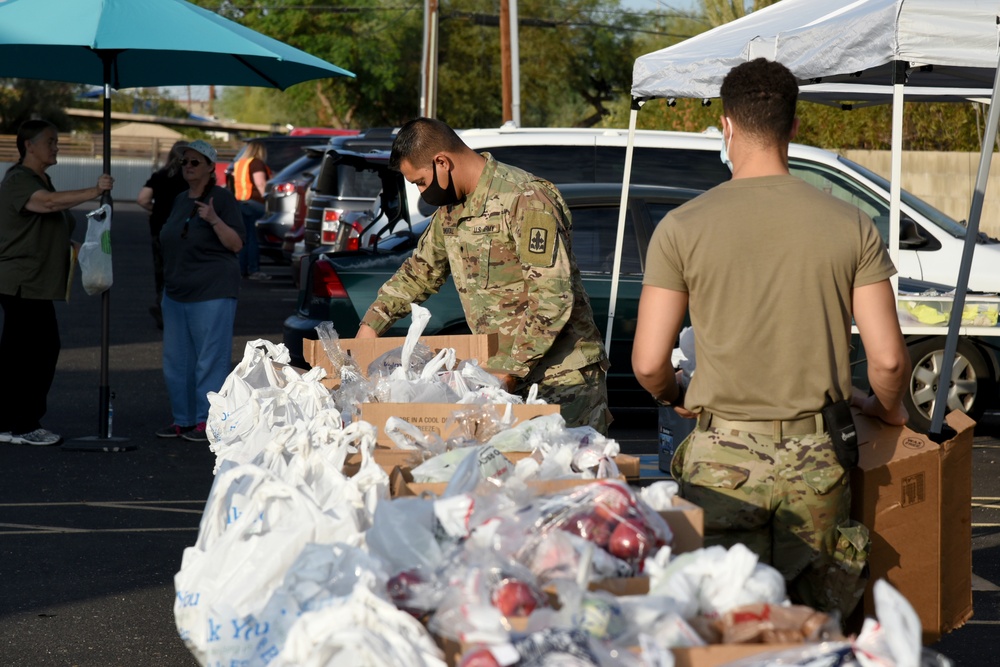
<point x="201" y="240"/>
<point x="35" y="228"/>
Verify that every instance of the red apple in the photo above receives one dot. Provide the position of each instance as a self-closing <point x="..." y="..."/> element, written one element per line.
<point x="514" y="598"/>
<point x="612" y="500"/>
<point x="479" y="657"/>
<point x="400" y="586"/>
<point x="590" y="527"/>
<point x="630" y="540"/>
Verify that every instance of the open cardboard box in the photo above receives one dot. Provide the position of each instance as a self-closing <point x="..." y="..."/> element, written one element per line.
<point x="366" y="350"/>
<point x="915" y="497"/>
<point x="401" y="484"/>
<point x="434" y="417"/>
<point x="391" y="457"/>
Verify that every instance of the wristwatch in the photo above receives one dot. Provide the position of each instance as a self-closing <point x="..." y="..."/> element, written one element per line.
<point x="681" y="391"/>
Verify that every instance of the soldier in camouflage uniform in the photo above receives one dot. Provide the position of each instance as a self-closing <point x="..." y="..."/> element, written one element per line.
<point x="773" y="270"/>
<point x="504" y="236"/>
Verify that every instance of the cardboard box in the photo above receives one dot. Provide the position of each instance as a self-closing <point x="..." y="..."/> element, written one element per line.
<point x="433" y="417"/>
<point x="401" y="484"/>
<point x="687" y="523"/>
<point x="915" y="497"/>
<point x="366" y="350"/>
<point x="391" y="457"/>
<point x="628" y="466"/>
<point x="721" y="654"/>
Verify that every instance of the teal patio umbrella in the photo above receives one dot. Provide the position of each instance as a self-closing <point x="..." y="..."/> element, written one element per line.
<point x="138" y="43"/>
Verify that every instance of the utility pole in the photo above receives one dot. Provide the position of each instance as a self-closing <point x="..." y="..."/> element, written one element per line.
<point x="211" y="101"/>
<point x="505" y="68"/>
<point x="515" y="65"/>
<point x="429" y="61"/>
<point x="510" y="68"/>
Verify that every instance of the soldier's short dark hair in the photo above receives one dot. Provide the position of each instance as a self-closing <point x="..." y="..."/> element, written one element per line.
<point x="760" y="96"/>
<point x="420" y="139"/>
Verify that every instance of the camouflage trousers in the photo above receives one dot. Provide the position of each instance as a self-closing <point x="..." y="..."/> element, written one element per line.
<point x="581" y="394"/>
<point x="787" y="500"/>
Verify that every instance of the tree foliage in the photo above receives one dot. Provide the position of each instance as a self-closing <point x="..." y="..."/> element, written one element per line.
<point x="926" y="126"/>
<point x="576" y="59"/>
<point x="24" y="99"/>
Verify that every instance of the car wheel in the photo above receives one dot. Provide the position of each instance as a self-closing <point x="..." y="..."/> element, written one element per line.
<point x="970" y="381"/>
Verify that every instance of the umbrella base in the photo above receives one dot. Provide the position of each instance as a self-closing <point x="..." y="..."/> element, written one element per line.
<point x="95" y="443"/>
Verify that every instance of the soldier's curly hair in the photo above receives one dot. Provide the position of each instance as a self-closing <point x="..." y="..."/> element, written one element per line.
<point x="760" y="96"/>
<point x="420" y="139"/>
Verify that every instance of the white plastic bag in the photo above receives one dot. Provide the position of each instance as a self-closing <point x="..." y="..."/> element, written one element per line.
<point x="95" y="253"/>
<point x="253" y="529"/>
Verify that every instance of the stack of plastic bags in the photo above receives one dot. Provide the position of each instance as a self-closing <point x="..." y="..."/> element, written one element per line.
<point x="298" y="563"/>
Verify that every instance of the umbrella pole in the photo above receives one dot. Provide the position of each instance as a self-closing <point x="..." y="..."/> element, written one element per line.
<point x="965" y="267"/>
<point x="104" y="442"/>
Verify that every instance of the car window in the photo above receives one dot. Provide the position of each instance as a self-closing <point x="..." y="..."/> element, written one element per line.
<point x="559" y="164"/>
<point x="280" y="155"/>
<point x="594" y="233"/>
<point x="659" y="210"/>
<point x="344" y="181"/>
<point x="846" y="189"/>
<point x="304" y="163"/>
<point x="680" y="168"/>
<point x="939" y="218"/>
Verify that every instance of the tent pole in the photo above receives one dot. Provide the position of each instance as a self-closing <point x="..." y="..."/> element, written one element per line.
<point x="104" y="395"/>
<point x="896" y="168"/>
<point x="104" y="441"/>
<point x="965" y="267"/>
<point x="622" y="212"/>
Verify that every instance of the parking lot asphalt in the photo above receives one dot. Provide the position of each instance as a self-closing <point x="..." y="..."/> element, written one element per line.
<point x="90" y="541"/>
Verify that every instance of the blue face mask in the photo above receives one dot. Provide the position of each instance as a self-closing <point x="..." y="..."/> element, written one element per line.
<point x="724" y="151"/>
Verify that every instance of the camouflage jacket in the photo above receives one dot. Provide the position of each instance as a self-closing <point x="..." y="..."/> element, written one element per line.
<point x="508" y="248"/>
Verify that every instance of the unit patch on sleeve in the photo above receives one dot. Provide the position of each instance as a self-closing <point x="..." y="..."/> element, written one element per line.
<point x="539" y="239"/>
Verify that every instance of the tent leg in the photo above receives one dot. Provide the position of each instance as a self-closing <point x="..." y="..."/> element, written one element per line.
<point x="620" y="237"/>
<point x="965" y="267"/>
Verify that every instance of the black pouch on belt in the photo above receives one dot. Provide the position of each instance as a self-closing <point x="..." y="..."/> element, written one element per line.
<point x="839" y="424"/>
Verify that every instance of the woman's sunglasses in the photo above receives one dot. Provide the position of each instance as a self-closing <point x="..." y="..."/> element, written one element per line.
<point x="194" y="163"/>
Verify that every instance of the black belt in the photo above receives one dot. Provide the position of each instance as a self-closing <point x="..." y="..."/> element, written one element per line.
<point x="776" y="428"/>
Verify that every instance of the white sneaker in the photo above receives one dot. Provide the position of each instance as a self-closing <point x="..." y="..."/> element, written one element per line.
<point x="5" y="436"/>
<point x="259" y="275"/>
<point x="39" y="437"/>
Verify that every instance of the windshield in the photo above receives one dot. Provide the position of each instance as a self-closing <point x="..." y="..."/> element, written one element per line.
<point x="939" y="218"/>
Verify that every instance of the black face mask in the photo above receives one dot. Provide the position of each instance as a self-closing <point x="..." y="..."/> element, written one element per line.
<point x="435" y="195"/>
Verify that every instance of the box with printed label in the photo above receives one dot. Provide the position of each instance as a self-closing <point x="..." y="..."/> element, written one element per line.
<point x="915" y="497"/>
<point x="433" y="417"/>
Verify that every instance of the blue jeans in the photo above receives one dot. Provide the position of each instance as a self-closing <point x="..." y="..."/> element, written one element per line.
<point x="197" y="354"/>
<point x="250" y="254"/>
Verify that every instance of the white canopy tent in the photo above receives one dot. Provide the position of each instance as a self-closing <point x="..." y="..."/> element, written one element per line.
<point x="845" y="52"/>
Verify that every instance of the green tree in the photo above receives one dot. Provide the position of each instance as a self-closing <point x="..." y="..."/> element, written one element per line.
<point x="576" y="58"/>
<point x="24" y="99"/>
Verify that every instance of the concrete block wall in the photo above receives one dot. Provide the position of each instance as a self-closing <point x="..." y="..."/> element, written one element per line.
<point x="945" y="180"/>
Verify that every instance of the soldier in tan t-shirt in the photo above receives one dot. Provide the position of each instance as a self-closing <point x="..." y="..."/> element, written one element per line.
<point x="773" y="271"/>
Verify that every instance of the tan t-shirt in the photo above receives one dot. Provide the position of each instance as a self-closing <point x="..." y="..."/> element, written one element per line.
<point x="769" y="265"/>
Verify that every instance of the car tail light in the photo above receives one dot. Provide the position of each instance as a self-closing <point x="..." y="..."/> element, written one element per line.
<point x="326" y="282"/>
<point x="283" y="189"/>
<point x="354" y="236"/>
<point x="330" y="226"/>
